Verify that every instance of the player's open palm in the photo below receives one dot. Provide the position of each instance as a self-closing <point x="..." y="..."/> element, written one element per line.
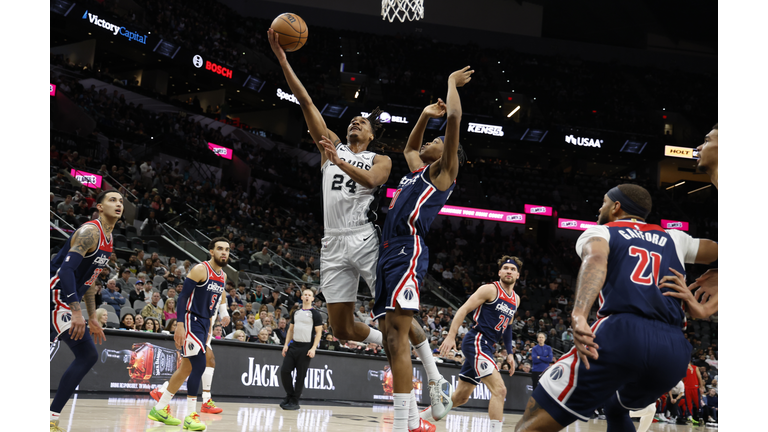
<point x="682" y="292"/>
<point x="461" y="76"/>
<point x="436" y="110"/>
<point x="448" y="344"/>
<point x="273" y="42"/>
<point x="584" y="340"/>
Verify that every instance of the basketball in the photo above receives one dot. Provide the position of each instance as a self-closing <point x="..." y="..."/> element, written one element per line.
<point x="292" y="29"/>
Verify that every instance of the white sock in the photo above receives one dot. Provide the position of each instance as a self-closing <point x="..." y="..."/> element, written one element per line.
<point x="191" y="405"/>
<point x="207" y="378"/>
<point x="427" y="414"/>
<point x="645" y="422"/>
<point x="495" y="425"/>
<point x="165" y="399"/>
<point x="164" y="386"/>
<point x="413" y="413"/>
<point x="402" y="406"/>
<point x="374" y="337"/>
<point x="425" y="354"/>
<point x="54" y="416"/>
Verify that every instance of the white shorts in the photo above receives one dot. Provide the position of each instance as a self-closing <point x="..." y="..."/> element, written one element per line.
<point x="347" y="255"/>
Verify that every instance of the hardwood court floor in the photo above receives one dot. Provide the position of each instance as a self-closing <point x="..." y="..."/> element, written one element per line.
<point x="89" y="413"/>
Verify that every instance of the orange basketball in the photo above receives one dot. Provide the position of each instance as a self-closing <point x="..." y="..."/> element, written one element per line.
<point x="292" y="29"/>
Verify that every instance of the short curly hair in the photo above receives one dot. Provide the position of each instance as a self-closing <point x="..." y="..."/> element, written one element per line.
<point x="518" y="261"/>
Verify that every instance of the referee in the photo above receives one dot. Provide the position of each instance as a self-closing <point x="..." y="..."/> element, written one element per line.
<point x="302" y="350"/>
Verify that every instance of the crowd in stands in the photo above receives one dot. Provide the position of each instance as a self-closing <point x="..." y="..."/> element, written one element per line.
<point x="275" y="226"/>
<point x="568" y="90"/>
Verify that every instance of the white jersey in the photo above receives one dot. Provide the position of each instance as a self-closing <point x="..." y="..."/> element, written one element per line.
<point x="347" y="204"/>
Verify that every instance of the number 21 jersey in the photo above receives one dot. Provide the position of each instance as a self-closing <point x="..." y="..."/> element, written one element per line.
<point x="640" y="256"/>
<point x="347" y="204"/>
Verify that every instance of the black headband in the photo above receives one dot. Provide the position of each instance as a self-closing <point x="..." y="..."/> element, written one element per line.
<point x="630" y="207"/>
<point x="510" y="261"/>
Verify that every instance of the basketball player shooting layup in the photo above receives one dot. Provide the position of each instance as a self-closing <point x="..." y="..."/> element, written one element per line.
<point x="352" y="178"/>
<point x="641" y="353"/>
<point x="404" y="256"/>
<point x="198" y="300"/>
<point x="73" y="271"/>
<point x="494" y="305"/>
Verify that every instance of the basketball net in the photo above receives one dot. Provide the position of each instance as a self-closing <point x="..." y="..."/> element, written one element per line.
<point x="402" y="9"/>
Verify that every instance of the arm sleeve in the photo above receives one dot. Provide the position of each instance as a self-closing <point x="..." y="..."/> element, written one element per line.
<point x="509" y="342"/>
<point x="595" y="231"/>
<point x="67" y="282"/>
<point x="317" y="319"/>
<point x="686" y="246"/>
<point x="181" y="304"/>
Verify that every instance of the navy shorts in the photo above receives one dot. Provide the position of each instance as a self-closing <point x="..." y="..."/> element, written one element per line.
<point x="639" y="360"/>
<point x="478" y="357"/>
<point x="197" y="334"/>
<point x="403" y="262"/>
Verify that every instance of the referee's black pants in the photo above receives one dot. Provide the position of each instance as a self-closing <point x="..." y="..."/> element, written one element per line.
<point x="295" y="358"/>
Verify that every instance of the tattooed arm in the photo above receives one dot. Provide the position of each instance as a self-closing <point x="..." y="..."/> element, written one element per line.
<point x="588" y="285"/>
<point x="90" y="305"/>
<point x="85" y="240"/>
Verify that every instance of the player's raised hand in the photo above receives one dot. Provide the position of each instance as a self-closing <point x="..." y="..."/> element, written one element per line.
<point x="461" y="76"/>
<point x="584" y="339"/>
<point x="436" y="110"/>
<point x="96" y="331"/>
<point x="330" y="150"/>
<point x="225" y="321"/>
<point x="273" y="36"/>
<point x="682" y="292"/>
<point x="448" y="344"/>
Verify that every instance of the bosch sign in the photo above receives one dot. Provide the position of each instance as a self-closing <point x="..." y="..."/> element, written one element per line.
<point x="198" y="61"/>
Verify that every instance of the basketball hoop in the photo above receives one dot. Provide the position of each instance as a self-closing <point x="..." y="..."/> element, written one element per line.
<point x="402" y="10"/>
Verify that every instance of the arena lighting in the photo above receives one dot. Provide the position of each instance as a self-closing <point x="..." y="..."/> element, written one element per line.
<point x="475" y="213"/>
<point x="696" y="190"/>
<point x="674" y="186"/>
<point x="671" y="224"/>
<point x="513" y="111"/>
<point x="220" y="151"/>
<point x="90" y="180"/>
<point x="573" y="224"/>
<point x="357" y="93"/>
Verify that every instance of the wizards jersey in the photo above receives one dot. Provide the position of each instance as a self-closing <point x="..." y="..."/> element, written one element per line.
<point x="415" y="205"/>
<point x="89" y="268"/>
<point x="348" y="204"/>
<point x="204" y="300"/>
<point x="640" y="256"/>
<point x="492" y="318"/>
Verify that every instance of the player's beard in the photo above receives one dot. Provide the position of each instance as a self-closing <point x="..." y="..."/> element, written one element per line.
<point x="220" y="263"/>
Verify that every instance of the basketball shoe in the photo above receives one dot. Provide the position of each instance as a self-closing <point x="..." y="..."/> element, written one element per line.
<point x="192" y="422"/>
<point x="55" y="426"/>
<point x="440" y="392"/>
<point x="210" y="408"/>
<point x="156" y="394"/>
<point x="424" y="426"/>
<point x="164" y="416"/>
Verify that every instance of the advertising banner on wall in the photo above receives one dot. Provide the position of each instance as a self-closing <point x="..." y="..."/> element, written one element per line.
<point x="90" y="180"/>
<point x="131" y="363"/>
<point x="673" y="224"/>
<point x="574" y="224"/>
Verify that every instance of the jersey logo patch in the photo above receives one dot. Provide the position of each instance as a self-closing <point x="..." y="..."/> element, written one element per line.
<point x="556" y="373"/>
<point x="408" y="294"/>
<point x="402" y="251"/>
<point x="191" y="346"/>
<point x="66" y="317"/>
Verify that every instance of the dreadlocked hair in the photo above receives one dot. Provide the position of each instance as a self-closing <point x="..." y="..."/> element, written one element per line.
<point x="373" y="117"/>
<point x="462" y="155"/>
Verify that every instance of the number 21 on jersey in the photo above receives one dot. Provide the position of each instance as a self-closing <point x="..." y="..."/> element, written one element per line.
<point x="645" y="258"/>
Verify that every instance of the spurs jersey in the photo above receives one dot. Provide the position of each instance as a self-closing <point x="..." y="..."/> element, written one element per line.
<point x="204" y="300"/>
<point x="492" y="318"/>
<point x="89" y="268"/>
<point x="640" y="256"/>
<point x="347" y="204"/>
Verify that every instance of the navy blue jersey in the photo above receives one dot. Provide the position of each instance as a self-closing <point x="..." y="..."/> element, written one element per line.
<point x="89" y="268"/>
<point x="640" y="256"/>
<point x="415" y="205"/>
<point x="492" y="318"/>
<point x="204" y="300"/>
